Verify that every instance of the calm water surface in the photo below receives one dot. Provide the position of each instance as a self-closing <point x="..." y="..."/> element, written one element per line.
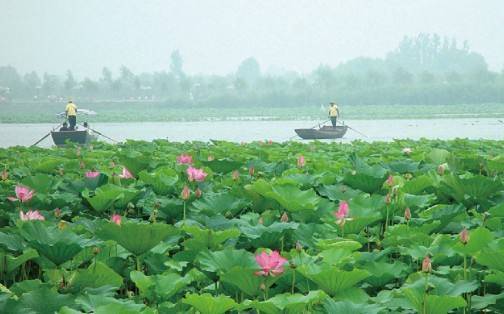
<point x="238" y="131"/>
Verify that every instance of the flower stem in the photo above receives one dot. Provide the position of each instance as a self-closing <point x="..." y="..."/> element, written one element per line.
<point x="184" y="213"/>
<point x="293" y="281"/>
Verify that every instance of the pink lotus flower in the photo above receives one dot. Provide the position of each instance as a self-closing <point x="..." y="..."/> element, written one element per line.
<point x="184" y="159"/>
<point x="271" y="264"/>
<point x="251" y="171"/>
<point x="195" y="174"/>
<point x="301" y="161"/>
<point x="5" y="175"/>
<point x="407" y="150"/>
<point x="31" y="215"/>
<point x="126" y="174"/>
<point x="464" y="236"/>
<point x="116" y="219"/>
<point x="23" y="194"/>
<point x="92" y="174"/>
<point x="185" y="193"/>
<point x="342" y="213"/>
<point x="407" y="214"/>
<point x="390" y="181"/>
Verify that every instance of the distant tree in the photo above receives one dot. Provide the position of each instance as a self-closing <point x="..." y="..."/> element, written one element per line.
<point x="176" y="64"/>
<point x="427" y="77"/>
<point x="402" y="77"/>
<point x="249" y="70"/>
<point x="69" y="81"/>
<point x="32" y="81"/>
<point x="89" y="86"/>
<point x="106" y="75"/>
<point x="50" y="84"/>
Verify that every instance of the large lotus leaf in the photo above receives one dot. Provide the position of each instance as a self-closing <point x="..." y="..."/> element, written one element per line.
<point x="482" y="302"/>
<point x="438" y="156"/>
<point x="107" y="195"/>
<point x="491" y="257"/>
<point x="496" y="164"/>
<point x="332" y="306"/>
<point x="208" y="304"/>
<point x="162" y="180"/>
<point x="497" y="211"/>
<point x="10" y="263"/>
<point x="134" y="161"/>
<point x="383" y="273"/>
<point x="49" y="164"/>
<point x="96" y="275"/>
<point x="496" y="277"/>
<point x="418" y="184"/>
<point x="223" y="165"/>
<point x="121" y="307"/>
<point x="266" y="307"/>
<point x="51" y="242"/>
<point x="289" y="196"/>
<point x="90" y="302"/>
<point x="203" y="239"/>
<point x="11" y="241"/>
<point x="436" y="304"/>
<point x="221" y="261"/>
<point x="244" y="279"/>
<point x="444" y="213"/>
<point x="136" y="237"/>
<point x="266" y="236"/>
<point x="418" y="201"/>
<point x="366" y="178"/>
<point x="159" y="287"/>
<point x="403" y="166"/>
<point x="297" y="303"/>
<point x="41" y="301"/>
<point x="338" y="192"/>
<point x="479" y="239"/>
<point x="467" y="190"/>
<point x="332" y="279"/>
<point x="404" y="236"/>
<point x="41" y="183"/>
<point x="220" y="203"/>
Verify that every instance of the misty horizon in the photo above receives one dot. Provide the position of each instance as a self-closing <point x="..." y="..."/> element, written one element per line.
<point x="86" y="36"/>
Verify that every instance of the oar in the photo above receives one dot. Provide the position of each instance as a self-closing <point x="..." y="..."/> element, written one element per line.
<point x="290" y="138"/>
<point x="355" y="130"/>
<point x="45" y="136"/>
<point x="105" y="136"/>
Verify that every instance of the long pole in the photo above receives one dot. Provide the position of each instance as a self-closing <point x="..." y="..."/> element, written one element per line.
<point x="105" y="136"/>
<point x="45" y="136"/>
<point x="355" y="130"/>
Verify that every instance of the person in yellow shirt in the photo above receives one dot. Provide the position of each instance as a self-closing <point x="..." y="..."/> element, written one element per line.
<point x="71" y="113"/>
<point x="333" y="113"/>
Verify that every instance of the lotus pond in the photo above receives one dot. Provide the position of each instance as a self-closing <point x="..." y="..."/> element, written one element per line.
<point x="218" y="227"/>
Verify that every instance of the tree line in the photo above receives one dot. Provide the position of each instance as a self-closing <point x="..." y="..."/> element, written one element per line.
<point x="422" y="70"/>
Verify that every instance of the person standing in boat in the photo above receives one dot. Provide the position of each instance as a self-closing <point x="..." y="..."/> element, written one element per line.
<point x="71" y="113"/>
<point x="333" y="113"/>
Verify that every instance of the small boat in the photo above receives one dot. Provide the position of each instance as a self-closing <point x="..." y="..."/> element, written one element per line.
<point x="76" y="136"/>
<point x="325" y="132"/>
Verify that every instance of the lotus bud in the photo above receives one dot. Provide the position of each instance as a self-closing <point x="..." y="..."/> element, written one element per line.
<point x="235" y="175"/>
<point x="130" y="205"/>
<point x="57" y="212"/>
<point x="210" y="157"/>
<point x="154" y="215"/>
<point x="284" y="218"/>
<point x="426" y="264"/>
<point x="387" y="199"/>
<point x="353" y="172"/>
<point x="82" y="165"/>
<point x="299" y="246"/>
<point x="464" y="236"/>
<point x="260" y="221"/>
<point x="441" y="169"/>
<point x="301" y="162"/>
<point x="390" y="181"/>
<point x="198" y="193"/>
<point x="262" y="286"/>
<point x="407" y="214"/>
<point x="185" y="193"/>
<point x="407" y="150"/>
<point x="78" y="151"/>
<point x="130" y="294"/>
<point x="96" y="250"/>
<point x="5" y="175"/>
<point x="270" y="142"/>
<point x="116" y="219"/>
<point x="61" y="171"/>
<point x="408" y="176"/>
<point x="251" y="171"/>
<point x="157" y="204"/>
<point x="62" y="225"/>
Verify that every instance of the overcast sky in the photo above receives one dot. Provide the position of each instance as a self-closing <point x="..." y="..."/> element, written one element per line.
<point x="215" y="36"/>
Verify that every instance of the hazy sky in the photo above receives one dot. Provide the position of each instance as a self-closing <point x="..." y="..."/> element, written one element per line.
<point x="215" y="36"/>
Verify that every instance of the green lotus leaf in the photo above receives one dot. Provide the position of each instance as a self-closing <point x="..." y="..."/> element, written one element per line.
<point x="222" y="165"/>
<point x="496" y="277"/>
<point x="91" y="302"/>
<point x="51" y="242"/>
<point x="220" y="203"/>
<point x="106" y="196"/>
<point x="203" y="239"/>
<point x="288" y="196"/>
<point x="438" y="156"/>
<point x="338" y="192"/>
<point x="96" y="275"/>
<point x="491" y="257"/>
<point x="297" y="303"/>
<point x="41" y="183"/>
<point x="221" y="261"/>
<point x="136" y="237"/>
<point x="382" y="273"/>
<point x="245" y="279"/>
<point x="332" y="279"/>
<point x="43" y="300"/>
<point x="208" y="304"/>
<point x="266" y="236"/>
<point x="134" y="161"/>
<point x="159" y="287"/>
<point x="482" y="302"/>
<point x="332" y="306"/>
<point x="11" y="241"/>
<point x="476" y="189"/>
<point x="496" y="164"/>
<point x="162" y="180"/>
<point x="418" y="184"/>
<point x="366" y="178"/>
<point x="10" y="263"/>
<point x="49" y="164"/>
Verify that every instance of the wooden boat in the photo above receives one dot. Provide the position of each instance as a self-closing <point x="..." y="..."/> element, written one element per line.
<point x="76" y="136"/>
<point x="325" y="132"/>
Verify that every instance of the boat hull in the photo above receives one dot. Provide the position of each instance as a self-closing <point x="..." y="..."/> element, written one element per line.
<point x="324" y="133"/>
<point x="79" y="137"/>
